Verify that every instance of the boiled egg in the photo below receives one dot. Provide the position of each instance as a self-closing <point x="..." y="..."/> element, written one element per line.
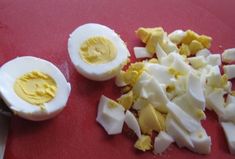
<point x="97" y="52"/>
<point x="33" y="88"/>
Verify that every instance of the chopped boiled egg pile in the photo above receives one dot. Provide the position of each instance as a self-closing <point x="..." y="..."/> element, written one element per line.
<point x="33" y="88"/>
<point x="167" y="93"/>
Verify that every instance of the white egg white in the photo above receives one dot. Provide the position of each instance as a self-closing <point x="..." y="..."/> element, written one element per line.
<point x="98" y="72"/>
<point x="19" y="66"/>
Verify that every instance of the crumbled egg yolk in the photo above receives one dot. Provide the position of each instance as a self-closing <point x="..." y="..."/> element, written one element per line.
<point x="192" y="43"/>
<point x="98" y="50"/>
<point x="126" y="100"/>
<point x="184" y="50"/>
<point x="151" y="119"/>
<point x="35" y="88"/>
<point x="133" y="72"/>
<point x="143" y="143"/>
<point x="150" y="36"/>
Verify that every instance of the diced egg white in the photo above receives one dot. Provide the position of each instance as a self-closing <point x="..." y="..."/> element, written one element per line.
<point x="160" y="52"/>
<point x="214" y="59"/>
<point x="201" y="142"/>
<point x="110" y="115"/>
<point x="229" y="129"/>
<point x="161" y="142"/>
<point x="215" y="100"/>
<point x="185" y="120"/>
<point x="229" y="70"/>
<point x="132" y="123"/>
<point x="141" y="52"/>
<point x="177" y="36"/>
<point x="179" y="134"/>
<point x="195" y="92"/>
<point x="203" y="52"/>
<point x="228" y="56"/>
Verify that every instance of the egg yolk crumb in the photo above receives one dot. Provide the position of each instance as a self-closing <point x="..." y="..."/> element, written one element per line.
<point x="193" y="42"/>
<point x="143" y="143"/>
<point x="132" y="74"/>
<point x="97" y="50"/>
<point x="151" y="119"/>
<point x="35" y="88"/>
<point x="150" y="36"/>
<point x="126" y="100"/>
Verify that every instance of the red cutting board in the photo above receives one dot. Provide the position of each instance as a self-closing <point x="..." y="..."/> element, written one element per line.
<point x="41" y="28"/>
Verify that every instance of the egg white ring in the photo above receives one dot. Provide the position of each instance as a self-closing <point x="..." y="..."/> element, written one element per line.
<point x="17" y="67"/>
<point x="98" y="72"/>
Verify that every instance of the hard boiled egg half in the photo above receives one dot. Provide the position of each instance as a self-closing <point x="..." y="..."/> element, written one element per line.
<point x="33" y="88"/>
<point x="97" y="52"/>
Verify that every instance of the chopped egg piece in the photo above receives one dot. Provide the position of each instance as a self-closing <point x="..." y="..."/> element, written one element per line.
<point x="185" y="120"/>
<point x="126" y="100"/>
<point x="167" y="45"/>
<point x="214" y="59"/>
<point x="110" y="115"/>
<point x="203" y="52"/>
<point x="228" y="56"/>
<point x="36" y="90"/>
<point x="161" y="142"/>
<point x="195" y="46"/>
<point x="132" y="123"/>
<point x="150" y="36"/>
<point x="229" y="129"/>
<point x="143" y="143"/>
<point x="215" y="100"/>
<point x="184" y="50"/>
<point x="160" y="52"/>
<point x="180" y="135"/>
<point x="141" y="52"/>
<point x="229" y="70"/>
<point x="133" y="73"/>
<point x="139" y="103"/>
<point x="150" y="119"/>
<point x="195" y="92"/>
<point x="177" y="36"/>
<point x="97" y="52"/>
<point x="197" y="61"/>
<point x="189" y="37"/>
<point x="201" y="142"/>
<point x="184" y="104"/>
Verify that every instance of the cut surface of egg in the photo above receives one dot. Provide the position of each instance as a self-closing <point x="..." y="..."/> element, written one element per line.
<point x="161" y="142"/>
<point x="229" y="129"/>
<point x="36" y="90"/>
<point x="110" y="115"/>
<point x="97" y="52"/>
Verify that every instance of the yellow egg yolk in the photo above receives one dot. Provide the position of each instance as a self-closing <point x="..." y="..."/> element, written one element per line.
<point x="97" y="50"/>
<point x="35" y="88"/>
<point x="150" y="36"/>
<point x="192" y="43"/>
<point x="126" y="100"/>
<point x="133" y="73"/>
<point x="150" y="119"/>
<point x="143" y="143"/>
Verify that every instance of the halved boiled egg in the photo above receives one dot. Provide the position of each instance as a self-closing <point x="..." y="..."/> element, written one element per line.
<point x="33" y="88"/>
<point x="97" y="52"/>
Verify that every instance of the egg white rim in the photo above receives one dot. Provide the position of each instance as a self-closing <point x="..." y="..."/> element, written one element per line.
<point x="86" y="31"/>
<point x="9" y="74"/>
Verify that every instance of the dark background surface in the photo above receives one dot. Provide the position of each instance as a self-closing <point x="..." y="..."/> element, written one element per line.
<point x="41" y="29"/>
